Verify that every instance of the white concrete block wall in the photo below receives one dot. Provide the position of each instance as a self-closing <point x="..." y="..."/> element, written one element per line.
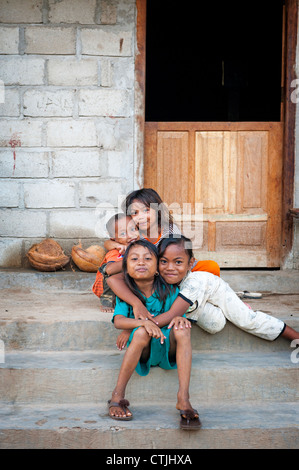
<point x="66" y="119"/>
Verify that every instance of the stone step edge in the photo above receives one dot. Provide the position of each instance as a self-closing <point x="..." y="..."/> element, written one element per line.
<point x="156" y="416"/>
<point x="276" y="281"/>
<point x="111" y="359"/>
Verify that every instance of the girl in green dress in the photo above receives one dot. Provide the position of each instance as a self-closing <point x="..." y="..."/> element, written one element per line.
<point x="149" y="344"/>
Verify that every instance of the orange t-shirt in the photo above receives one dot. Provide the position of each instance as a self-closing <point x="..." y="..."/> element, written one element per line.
<point x="111" y="256"/>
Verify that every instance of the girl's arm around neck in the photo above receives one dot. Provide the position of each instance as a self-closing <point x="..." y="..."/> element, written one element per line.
<point x="114" y="268"/>
<point x="178" y="308"/>
<point x="120" y="288"/>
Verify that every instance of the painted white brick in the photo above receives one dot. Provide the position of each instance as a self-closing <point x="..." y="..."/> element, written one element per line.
<point x="9" y="40"/>
<point x="106" y="42"/>
<point x="48" y="194"/>
<point x="69" y="71"/>
<point x="22" y="70"/>
<point x="61" y="133"/>
<point x="10" y="253"/>
<point x="11" y="105"/>
<point x="24" y="133"/>
<point x="72" y="11"/>
<point x="50" y="40"/>
<point x="93" y="193"/>
<point x="76" y="163"/>
<point x="48" y="103"/>
<point x="27" y="164"/>
<point x="104" y="102"/>
<point x="9" y="194"/>
<point x="24" y="11"/>
<point x="22" y="223"/>
<point x="72" y="224"/>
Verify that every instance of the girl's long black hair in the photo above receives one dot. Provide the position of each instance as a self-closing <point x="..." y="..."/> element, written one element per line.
<point x="161" y="288"/>
<point x="148" y="197"/>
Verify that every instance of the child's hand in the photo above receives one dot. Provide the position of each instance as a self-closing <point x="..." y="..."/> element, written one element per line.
<point x="154" y="331"/>
<point x="121" y="248"/>
<point x="122" y="339"/>
<point x="141" y="313"/>
<point x="179" y="322"/>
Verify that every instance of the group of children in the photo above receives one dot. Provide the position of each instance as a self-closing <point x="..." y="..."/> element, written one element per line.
<point x="160" y="290"/>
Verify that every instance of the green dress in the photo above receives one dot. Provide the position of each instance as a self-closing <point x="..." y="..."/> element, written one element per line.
<point x="159" y="352"/>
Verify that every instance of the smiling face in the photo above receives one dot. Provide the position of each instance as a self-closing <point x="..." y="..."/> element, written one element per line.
<point x="174" y="264"/>
<point x="126" y="231"/>
<point x="146" y="218"/>
<point x="141" y="263"/>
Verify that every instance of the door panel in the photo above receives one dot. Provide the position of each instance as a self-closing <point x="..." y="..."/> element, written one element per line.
<point x="232" y="169"/>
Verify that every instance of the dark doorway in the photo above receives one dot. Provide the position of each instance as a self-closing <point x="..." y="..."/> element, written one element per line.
<point x="213" y="61"/>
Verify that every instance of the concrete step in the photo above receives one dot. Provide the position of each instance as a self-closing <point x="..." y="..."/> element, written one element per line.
<point x="267" y="280"/>
<point x="233" y="425"/>
<point x="90" y="376"/>
<point x="69" y="320"/>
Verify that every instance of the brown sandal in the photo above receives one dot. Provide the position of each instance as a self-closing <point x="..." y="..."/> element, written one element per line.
<point x="190" y="420"/>
<point x="123" y="404"/>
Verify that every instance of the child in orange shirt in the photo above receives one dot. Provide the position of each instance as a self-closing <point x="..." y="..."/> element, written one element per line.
<point x="122" y="231"/>
<point x="155" y="223"/>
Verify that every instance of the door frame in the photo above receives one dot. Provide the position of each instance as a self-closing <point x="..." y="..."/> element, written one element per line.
<point x="289" y="74"/>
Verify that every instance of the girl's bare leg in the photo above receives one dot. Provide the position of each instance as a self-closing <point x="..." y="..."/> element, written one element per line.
<point x="138" y="347"/>
<point x="180" y="347"/>
<point x="290" y="334"/>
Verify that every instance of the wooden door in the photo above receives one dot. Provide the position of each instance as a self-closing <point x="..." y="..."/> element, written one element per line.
<point x="232" y="169"/>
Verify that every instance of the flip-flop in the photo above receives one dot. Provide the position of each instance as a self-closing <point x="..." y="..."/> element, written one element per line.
<point x="245" y="294"/>
<point x="123" y="404"/>
<point x="189" y="420"/>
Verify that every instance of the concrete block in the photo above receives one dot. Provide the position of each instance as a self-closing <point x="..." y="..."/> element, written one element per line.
<point x="69" y="71"/>
<point x="9" y="40"/>
<point x="80" y="133"/>
<point x="48" y="194"/>
<point x="25" y="11"/>
<point x="15" y="133"/>
<point x="103" y="102"/>
<point x="106" y="42"/>
<point x="22" y="223"/>
<point x="72" y="224"/>
<point x="48" y="103"/>
<point x="27" y="164"/>
<point x="123" y="72"/>
<point x="11" y="105"/>
<point x="119" y="164"/>
<point x="108" y="12"/>
<point x="76" y="163"/>
<point x="106" y="73"/>
<point x="72" y="11"/>
<point x="105" y="193"/>
<point x="22" y="71"/>
<point x="50" y="40"/>
<point x="9" y="194"/>
<point x="114" y="134"/>
<point x="10" y="252"/>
